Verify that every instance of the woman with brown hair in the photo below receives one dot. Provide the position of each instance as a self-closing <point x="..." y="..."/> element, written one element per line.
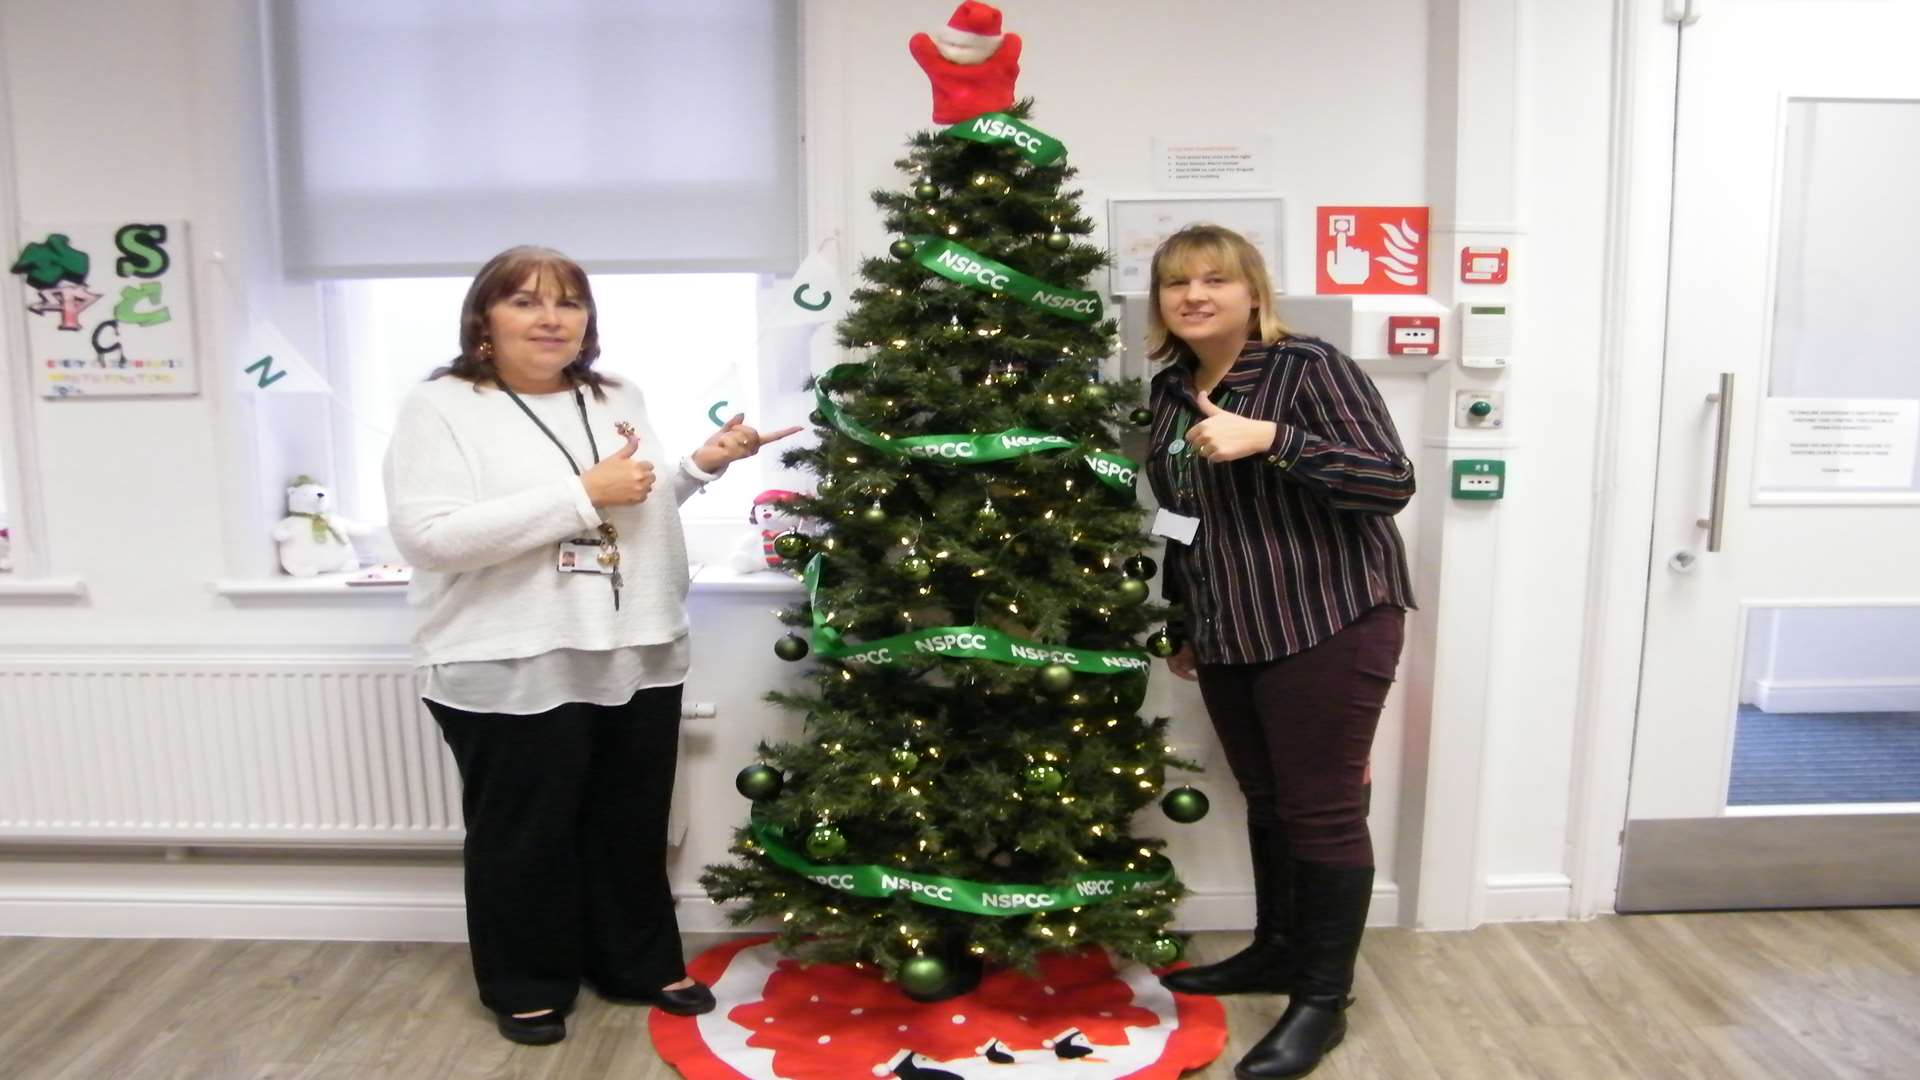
<point x="550" y="584"/>
<point x="1279" y="472"/>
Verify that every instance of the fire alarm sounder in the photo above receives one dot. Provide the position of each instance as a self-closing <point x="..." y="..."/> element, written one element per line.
<point x="1486" y="335"/>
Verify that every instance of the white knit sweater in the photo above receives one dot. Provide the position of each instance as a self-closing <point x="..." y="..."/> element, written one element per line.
<point x="479" y="499"/>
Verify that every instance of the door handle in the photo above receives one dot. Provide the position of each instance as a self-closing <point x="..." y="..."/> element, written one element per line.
<point x="1716" y="520"/>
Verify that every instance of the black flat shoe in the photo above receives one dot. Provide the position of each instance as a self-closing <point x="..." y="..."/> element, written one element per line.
<point x="686" y="1001"/>
<point x="1264" y="967"/>
<point x="543" y="1030"/>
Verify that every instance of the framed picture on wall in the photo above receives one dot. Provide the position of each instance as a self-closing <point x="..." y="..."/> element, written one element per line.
<point x="109" y="308"/>
<point x="1137" y="224"/>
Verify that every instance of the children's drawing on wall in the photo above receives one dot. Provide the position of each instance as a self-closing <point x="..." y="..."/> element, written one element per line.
<point x="112" y="309"/>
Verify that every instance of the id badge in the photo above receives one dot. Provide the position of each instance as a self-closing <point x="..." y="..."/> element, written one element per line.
<point x="580" y="557"/>
<point x="1176" y="527"/>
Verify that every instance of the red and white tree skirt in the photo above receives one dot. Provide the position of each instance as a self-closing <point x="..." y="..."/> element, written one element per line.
<point x="1078" y="1018"/>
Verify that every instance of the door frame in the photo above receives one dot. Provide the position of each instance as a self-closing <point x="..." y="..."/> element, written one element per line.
<point x="1646" y="55"/>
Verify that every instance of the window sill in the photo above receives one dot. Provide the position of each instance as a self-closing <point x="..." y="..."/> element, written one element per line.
<point x="322" y="585"/>
<point x="710" y="578"/>
<point x="48" y="587"/>
<point x="720" y="578"/>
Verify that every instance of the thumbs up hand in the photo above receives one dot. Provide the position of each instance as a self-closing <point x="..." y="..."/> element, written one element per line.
<point x="1222" y="436"/>
<point x="619" y="480"/>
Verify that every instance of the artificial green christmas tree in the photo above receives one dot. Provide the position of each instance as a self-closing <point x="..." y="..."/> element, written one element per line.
<point x="977" y="602"/>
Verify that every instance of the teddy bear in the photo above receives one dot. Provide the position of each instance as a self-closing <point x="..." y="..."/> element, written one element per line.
<point x="313" y="539"/>
<point x="769" y="513"/>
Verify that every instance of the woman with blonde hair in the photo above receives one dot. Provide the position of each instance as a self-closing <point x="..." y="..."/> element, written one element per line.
<point x="1280" y="472"/>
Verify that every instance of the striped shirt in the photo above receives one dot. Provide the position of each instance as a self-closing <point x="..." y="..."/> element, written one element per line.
<point x="1296" y="543"/>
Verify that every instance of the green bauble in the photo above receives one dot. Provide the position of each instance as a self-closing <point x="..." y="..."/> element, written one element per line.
<point x="1131" y="591"/>
<point x="825" y="485"/>
<point x="901" y="249"/>
<point x="1140" y="417"/>
<point x="817" y="418"/>
<point x="1185" y="805"/>
<point x="905" y="760"/>
<point x="791" y="648"/>
<point x="758" y="782"/>
<point x="1058" y="241"/>
<point x="1056" y="678"/>
<point x="1163" y="950"/>
<point x="1142" y="567"/>
<point x="926" y="191"/>
<point x="1161" y="644"/>
<point x="874" y="514"/>
<point x="916" y="568"/>
<point x="1095" y="393"/>
<point x="923" y="975"/>
<point x="792" y="546"/>
<point x="826" y="842"/>
<point x="1043" y="780"/>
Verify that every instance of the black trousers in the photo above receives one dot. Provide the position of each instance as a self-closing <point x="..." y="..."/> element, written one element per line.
<point x="1298" y="731"/>
<point x="566" y="873"/>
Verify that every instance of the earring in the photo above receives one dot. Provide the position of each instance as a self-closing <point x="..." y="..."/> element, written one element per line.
<point x="485" y="351"/>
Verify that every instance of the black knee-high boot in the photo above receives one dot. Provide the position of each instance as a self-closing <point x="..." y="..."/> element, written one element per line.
<point x="1333" y="904"/>
<point x="1267" y="965"/>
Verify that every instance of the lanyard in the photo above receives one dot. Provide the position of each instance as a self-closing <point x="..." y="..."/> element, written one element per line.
<point x="580" y="400"/>
<point x="609" y="537"/>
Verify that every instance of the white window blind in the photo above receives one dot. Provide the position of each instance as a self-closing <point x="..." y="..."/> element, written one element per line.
<point x="420" y="137"/>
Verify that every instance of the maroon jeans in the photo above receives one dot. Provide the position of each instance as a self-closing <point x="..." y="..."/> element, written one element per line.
<point x="1298" y="732"/>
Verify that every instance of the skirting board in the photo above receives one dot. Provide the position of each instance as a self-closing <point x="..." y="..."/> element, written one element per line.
<point x="1528" y="898"/>
<point x="393" y="904"/>
<point x="313" y="902"/>
<point x="1836" y="695"/>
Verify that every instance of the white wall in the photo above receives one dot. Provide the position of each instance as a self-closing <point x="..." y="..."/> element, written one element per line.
<point x="147" y="501"/>
<point x="1832" y="659"/>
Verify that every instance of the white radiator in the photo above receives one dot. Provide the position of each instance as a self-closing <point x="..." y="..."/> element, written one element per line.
<point x="185" y="752"/>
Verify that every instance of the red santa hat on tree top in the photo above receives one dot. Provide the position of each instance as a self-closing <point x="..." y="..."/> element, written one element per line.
<point x="971" y="35"/>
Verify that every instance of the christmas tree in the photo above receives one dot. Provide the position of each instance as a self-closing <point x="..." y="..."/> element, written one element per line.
<point x="977" y="598"/>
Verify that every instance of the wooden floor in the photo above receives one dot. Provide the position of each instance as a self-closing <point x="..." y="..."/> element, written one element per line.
<point x="1797" y="994"/>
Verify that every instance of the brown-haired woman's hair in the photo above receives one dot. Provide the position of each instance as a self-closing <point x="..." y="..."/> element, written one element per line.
<point x="1216" y="248"/>
<point x="502" y="277"/>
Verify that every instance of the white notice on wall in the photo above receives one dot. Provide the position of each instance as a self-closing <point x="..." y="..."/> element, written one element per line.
<point x="1239" y="164"/>
<point x="1838" y="443"/>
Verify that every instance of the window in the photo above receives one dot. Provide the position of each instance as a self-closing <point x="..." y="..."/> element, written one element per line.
<point x="687" y="340"/>
<point x="418" y="137"/>
<point x="413" y="139"/>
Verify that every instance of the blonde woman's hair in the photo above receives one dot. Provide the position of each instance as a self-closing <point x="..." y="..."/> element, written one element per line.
<point x="1221" y="249"/>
